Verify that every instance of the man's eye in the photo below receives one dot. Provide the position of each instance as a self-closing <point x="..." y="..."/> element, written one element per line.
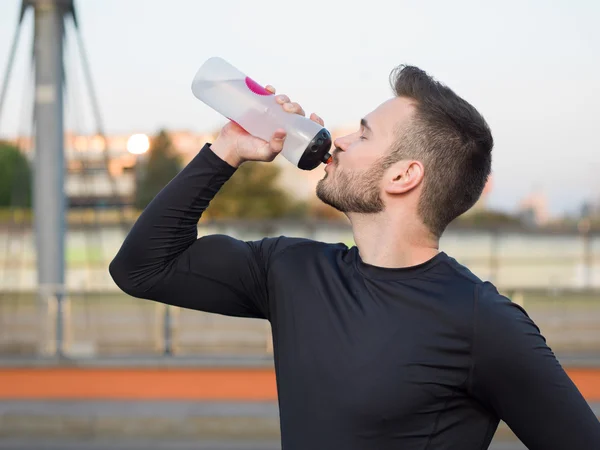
<point x="363" y="138"/>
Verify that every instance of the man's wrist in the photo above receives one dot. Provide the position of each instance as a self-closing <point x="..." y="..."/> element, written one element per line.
<point x="227" y="153"/>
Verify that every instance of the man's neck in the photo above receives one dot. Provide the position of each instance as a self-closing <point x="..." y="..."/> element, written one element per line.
<point x="384" y="242"/>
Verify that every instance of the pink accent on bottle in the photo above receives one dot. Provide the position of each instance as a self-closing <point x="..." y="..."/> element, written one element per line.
<point x="256" y="88"/>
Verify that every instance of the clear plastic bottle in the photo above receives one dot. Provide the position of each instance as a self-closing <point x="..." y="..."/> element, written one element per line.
<point x="240" y="99"/>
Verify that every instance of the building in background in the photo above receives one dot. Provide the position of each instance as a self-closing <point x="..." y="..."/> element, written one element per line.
<point x="533" y="209"/>
<point x="590" y="210"/>
<point x="88" y="182"/>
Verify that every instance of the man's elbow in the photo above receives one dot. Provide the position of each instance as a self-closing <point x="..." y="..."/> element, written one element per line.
<point x="121" y="275"/>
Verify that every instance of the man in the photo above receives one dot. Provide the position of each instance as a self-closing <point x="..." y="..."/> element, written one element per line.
<point x="387" y="345"/>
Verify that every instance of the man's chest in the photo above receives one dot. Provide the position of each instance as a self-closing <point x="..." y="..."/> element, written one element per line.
<point x="371" y="365"/>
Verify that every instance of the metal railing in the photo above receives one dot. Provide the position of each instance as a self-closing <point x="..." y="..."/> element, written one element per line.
<point x="556" y="277"/>
<point x="112" y="324"/>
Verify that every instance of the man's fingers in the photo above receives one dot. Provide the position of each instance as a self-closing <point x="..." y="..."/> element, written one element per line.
<point x="294" y="107"/>
<point x="279" y="133"/>
<point x="317" y="119"/>
<point x="270" y="88"/>
<point x="277" y="141"/>
<point x="288" y="105"/>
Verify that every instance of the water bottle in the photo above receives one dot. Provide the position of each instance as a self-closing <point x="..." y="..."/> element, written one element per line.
<point x="245" y="102"/>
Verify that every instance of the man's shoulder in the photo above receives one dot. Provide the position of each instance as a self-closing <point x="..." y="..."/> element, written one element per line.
<point x="492" y="310"/>
<point x="498" y="317"/>
<point x="487" y="297"/>
<point x="462" y="272"/>
<point x="485" y="291"/>
<point x="278" y="246"/>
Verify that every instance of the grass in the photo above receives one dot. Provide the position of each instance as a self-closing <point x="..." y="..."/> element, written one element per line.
<point x="74" y="217"/>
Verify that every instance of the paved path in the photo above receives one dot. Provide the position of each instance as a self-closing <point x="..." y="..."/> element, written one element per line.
<point x="132" y="409"/>
<point x="106" y="425"/>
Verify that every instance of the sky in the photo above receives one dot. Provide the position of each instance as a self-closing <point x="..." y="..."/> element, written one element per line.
<point x="532" y="68"/>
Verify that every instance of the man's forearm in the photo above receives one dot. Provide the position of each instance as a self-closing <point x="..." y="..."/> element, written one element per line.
<point x="168" y="225"/>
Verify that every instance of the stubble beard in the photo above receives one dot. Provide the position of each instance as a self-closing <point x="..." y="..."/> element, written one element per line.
<point x="352" y="191"/>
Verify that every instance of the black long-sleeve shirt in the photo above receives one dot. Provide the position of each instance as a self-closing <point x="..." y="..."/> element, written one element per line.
<point x="366" y="358"/>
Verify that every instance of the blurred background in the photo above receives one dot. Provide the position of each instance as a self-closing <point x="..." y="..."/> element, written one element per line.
<point x="104" y="86"/>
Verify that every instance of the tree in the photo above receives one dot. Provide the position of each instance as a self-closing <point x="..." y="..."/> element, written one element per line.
<point x="161" y="167"/>
<point x="15" y="177"/>
<point x="487" y="218"/>
<point x="252" y="193"/>
<point x="321" y="211"/>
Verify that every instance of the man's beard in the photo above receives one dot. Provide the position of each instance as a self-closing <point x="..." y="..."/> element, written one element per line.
<point x="352" y="191"/>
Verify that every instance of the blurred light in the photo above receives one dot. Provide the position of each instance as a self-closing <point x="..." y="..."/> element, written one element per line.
<point x="98" y="143"/>
<point x="138" y="144"/>
<point x="81" y="143"/>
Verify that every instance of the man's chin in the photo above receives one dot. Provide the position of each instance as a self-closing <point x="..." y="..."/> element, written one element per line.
<point x="324" y="196"/>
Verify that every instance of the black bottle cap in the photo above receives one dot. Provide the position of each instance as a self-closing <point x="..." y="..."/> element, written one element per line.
<point x="317" y="151"/>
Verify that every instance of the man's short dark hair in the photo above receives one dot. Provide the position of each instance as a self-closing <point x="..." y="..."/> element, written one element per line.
<point x="451" y="139"/>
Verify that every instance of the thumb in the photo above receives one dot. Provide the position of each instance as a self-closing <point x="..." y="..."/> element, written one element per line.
<point x="277" y="142"/>
<point x="272" y="148"/>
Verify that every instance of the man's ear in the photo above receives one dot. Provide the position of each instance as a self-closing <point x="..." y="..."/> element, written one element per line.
<point x="404" y="176"/>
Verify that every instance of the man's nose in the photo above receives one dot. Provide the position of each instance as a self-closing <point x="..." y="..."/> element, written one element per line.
<point x="341" y="143"/>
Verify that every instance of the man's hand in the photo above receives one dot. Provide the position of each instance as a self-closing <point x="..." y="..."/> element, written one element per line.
<point x="234" y="145"/>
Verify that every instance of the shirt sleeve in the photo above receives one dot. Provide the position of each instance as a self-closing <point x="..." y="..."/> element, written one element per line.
<point x="162" y="258"/>
<point x="517" y="376"/>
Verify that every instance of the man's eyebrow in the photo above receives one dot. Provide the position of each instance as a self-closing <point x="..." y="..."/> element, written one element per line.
<point x="364" y="123"/>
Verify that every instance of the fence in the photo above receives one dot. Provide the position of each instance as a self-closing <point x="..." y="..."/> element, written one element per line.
<point x="111" y="324"/>
<point x="555" y="276"/>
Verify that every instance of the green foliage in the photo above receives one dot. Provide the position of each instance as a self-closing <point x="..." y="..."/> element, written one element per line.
<point x="487" y="218"/>
<point x="161" y="166"/>
<point x="15" y="177"/>
<point x="321" y="211"/>
<point x="252" y="193"/>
